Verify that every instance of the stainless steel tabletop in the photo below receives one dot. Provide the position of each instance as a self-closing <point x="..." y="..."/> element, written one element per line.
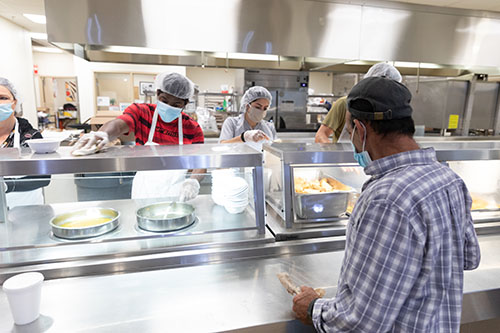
<point x="218" y="297"/>
<point x="27" y="237"/>
<point x="14" y="162"/>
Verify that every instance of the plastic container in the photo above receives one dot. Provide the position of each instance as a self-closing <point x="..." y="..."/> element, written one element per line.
<point x="44" y="146"/>
<point x="24" y="293"/>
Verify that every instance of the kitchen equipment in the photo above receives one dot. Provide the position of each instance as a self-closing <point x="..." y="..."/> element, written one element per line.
<point x="85" y="223"/>
<point x="329" y="204"/>
<point x="165" y="216"/>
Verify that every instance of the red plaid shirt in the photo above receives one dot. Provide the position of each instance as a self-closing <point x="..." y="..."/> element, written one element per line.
<point x="139" y="117"/>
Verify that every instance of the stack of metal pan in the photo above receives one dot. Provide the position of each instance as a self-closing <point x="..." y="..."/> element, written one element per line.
<point x="165" y="216"/>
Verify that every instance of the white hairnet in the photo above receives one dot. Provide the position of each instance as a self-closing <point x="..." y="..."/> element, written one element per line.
<point x="7" y="84"/>
<point x="384" y="69"/>
<point x="175" y="84"/>
<point x="253" y="94"/>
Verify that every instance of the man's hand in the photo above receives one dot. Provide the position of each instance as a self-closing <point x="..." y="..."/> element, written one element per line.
<point x="301" y="303"/>
<point x="255" y="136"/>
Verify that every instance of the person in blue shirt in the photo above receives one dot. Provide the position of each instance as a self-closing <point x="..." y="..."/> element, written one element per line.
<point x="410" y="236"/>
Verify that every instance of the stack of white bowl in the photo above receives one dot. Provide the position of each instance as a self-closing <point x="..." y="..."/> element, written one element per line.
<point x="229" y="190"/>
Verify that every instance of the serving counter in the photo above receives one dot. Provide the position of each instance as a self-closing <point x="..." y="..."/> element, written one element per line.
<point x="220" y="273"/>
<point x="28" y="234"/>
<point x="238" y="294"/>
<point x="288" y="166"/>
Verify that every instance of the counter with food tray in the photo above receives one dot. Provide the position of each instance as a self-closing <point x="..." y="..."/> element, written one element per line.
<point x="69" y="232"/>
<point x="311" y="188"/>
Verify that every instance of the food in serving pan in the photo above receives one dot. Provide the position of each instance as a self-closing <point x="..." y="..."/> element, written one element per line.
<point x="85" y="222"/>
<point x="323" y="185"/>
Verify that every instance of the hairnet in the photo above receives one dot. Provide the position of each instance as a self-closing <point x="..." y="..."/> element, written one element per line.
<point x="175" y="84"/>
<point x="384" y="69"/>
<point x="7" y="84"/>
<point x="253" y="94"/>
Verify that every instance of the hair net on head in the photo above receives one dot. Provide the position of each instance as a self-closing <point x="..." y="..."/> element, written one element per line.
<point x="7" y="84"/>
<point x="255" y="93"/>
<point x="384" y="69"/>
<point x="175" y="84"/>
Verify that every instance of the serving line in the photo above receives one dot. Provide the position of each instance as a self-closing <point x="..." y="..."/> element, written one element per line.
<point x="235" y="293"/>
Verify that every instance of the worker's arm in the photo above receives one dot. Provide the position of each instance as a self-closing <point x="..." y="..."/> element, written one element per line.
<point x="233" y="140"/>
<point x="115" y="128"/>
<point x="198" y="174"/>
<point x="323" y="134"/>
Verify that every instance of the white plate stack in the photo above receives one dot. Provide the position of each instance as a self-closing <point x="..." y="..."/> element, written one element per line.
<point x="229" y="191"/>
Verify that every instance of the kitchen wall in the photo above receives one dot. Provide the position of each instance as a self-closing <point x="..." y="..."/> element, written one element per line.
<point x="321" y="82"/>
<point x="211" y="79"/>
<point x="84" y="71"/>
<point x="16" y="64"/>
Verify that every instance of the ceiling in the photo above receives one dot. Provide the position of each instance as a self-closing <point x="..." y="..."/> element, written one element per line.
<point x="490" y="5"/>
<point x="13" y="9"/>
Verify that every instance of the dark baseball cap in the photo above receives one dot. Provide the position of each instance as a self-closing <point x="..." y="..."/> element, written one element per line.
<point x="379" y="98"/>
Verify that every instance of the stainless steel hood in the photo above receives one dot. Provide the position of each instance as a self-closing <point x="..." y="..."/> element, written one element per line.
<point x="305" y="34"/>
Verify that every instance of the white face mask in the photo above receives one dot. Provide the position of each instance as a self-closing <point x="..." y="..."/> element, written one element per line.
<point x="256" y="115"/>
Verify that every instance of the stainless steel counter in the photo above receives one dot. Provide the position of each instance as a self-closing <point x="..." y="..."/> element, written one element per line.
<point x="14" y="162"/>
<point x="27" y="239"/>
<point x="232" y="295"/>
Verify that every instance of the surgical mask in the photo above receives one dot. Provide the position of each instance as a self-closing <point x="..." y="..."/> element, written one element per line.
<point x="167" y="113"/>
<point x="362" y="158"/>
<point x="5" y="111"/>
<point x="255" y="114"/>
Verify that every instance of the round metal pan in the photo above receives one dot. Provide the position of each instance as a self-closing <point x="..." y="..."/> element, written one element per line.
<point x="93" y="215"/>
<point x="165" y="216"/>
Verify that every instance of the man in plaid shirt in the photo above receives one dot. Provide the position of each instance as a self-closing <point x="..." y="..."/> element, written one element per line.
<point x="411" y="234"/>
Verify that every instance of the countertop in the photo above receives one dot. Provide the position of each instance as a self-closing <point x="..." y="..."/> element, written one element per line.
<point x="231" y="295"/>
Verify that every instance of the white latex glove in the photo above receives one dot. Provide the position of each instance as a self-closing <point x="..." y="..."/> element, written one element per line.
<point x="255" y="136"/>
<point x="91" y="142"/>
<point x="189" y="189"/>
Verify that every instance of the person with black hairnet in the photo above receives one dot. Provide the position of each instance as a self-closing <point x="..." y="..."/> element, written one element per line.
<point x="14" y="132"/>
<point x="155" y="124"/>
<point x="250" y="125"/>
<point x="334" y="123"/>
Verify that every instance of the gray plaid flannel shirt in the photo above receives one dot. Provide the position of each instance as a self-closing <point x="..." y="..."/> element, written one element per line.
<point x="409" y="239"/>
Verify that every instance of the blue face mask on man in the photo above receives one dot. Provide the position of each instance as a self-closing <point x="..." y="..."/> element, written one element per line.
<point x="5" y="111"/>
<point x="362" y="158"/>
<point x="167" y="113"/>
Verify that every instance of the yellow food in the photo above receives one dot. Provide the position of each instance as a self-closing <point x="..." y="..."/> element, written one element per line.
<point x="478" y="203"/>
<point x="323" y="185"/>
<point x="85" y="222"/>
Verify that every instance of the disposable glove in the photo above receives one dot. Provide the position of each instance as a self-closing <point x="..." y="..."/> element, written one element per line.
<point x="189" y="189"/>
<point x="90" y="143"/>
<point x="255" y="136"/>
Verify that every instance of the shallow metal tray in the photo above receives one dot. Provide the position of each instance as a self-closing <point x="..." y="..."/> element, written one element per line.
<point x="320" y="205"/>
<point x="85" y="214"/>
<point x="165" y="216"/>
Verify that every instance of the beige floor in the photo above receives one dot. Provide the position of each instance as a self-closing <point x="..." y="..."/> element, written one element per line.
<point x="486" y="326"/>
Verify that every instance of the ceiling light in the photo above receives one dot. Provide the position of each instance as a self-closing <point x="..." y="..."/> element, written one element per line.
<point x="359" y="62"/>
<point x="46" y="49"/>
<point x="40" y="19"/>
<point x="38" y="35"/>
<point x="246" y="56"/>
<point x="145" y="50"/>
<point x="416" y="65"/>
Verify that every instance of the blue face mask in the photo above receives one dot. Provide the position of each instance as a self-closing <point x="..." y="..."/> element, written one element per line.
<point x="167" y="113"/>
<point x="362" y="158"/>
<point x="5" y="111"/>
